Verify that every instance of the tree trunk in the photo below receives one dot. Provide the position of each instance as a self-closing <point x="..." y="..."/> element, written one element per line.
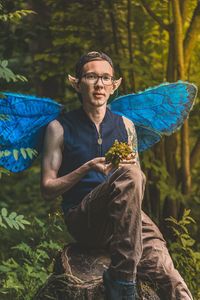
<point x="130" y="48"/>
<point x="114" y="27"/>
<point x="78" y="275"/>
<point x="171" y="145"/>
<point x="194" y="158"/>
<point x="191" y="36"/>
<point x="50" y="86"/>
<point x="185" y="146"/>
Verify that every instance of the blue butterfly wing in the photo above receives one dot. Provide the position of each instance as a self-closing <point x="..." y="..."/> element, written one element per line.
<point x="156" y="111"/>
<point x="22" y="122"/>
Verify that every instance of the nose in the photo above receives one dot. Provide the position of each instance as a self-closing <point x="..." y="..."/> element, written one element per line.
<point x="99" y="82"/>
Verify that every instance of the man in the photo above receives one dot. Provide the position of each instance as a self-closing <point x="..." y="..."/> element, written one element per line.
<point x="102" y="206"/>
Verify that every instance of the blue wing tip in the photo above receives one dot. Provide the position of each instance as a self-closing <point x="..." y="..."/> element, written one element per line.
<point x="191" y="88"/>
<point x="28" y="97"/>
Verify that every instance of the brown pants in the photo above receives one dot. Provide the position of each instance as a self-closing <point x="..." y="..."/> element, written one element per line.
<point x="110" y="217"/>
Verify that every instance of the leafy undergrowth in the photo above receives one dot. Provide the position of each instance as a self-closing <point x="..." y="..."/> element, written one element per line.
<point x="29" y="262"/>
<point x="185" y="252"/>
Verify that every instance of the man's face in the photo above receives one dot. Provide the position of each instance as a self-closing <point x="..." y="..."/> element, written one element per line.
<point x="96" y="95"/>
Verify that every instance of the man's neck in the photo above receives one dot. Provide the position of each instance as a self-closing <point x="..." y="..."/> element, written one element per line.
<point x="96" y="114"/>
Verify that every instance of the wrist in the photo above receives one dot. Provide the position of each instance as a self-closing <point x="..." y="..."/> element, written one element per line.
<point x="89" y="165"/>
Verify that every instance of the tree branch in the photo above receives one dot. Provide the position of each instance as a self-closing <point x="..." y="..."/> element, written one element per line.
<point x="191" y="35"/>
<point x="154" y="16"/>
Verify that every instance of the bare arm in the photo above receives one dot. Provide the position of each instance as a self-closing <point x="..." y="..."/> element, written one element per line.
<point x="132" y="138"/>
<point x="52" y="185"/>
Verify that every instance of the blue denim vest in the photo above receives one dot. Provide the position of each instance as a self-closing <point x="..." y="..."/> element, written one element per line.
<point x="82" y="143"/>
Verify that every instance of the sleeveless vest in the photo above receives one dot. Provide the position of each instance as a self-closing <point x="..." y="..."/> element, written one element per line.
<point x="82" y="142"/>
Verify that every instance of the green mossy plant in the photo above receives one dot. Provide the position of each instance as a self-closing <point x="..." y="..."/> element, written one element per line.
<point x="118" y="152"/>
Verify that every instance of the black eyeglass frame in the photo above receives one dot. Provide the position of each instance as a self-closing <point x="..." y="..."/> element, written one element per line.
<point x="99" y="76"/>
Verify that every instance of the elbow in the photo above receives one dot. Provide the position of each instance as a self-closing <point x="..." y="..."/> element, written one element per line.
<point x="46" y="193"/>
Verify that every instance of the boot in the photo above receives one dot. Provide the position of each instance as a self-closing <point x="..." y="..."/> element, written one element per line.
<point x="118" y="290"/>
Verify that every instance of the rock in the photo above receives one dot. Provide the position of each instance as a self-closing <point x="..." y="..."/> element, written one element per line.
<point x="78" y="275"/>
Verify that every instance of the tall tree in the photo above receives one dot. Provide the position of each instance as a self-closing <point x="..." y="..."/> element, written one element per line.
<point x="182" y="39"/>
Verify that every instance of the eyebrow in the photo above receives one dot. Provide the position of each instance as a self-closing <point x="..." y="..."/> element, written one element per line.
<point x="98" y="74"/>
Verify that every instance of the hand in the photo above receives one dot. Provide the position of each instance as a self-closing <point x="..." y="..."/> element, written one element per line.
<point x="99" y="165"/>
<point x="131" y="159"/>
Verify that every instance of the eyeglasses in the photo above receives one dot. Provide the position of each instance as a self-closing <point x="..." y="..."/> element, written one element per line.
<point x="92" y="78"/>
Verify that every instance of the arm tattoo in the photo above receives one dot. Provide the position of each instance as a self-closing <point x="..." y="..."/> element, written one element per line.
<point x="132" y="137"/>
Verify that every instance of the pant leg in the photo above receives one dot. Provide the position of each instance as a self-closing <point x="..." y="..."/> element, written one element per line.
<point x="110" y="216"/>
<point x="156" y="264"/>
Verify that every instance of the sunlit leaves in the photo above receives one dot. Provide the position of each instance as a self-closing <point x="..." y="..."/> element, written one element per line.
<point x="180" y="228"/>
<point x="16" y="154"/>
<point x="25" y="152"/>
<point x="30" y="152"/>
<point x="4" y="153"/>
<point x="183" y="251"/>
<point x="7" y="74"/>
<point x="12" y="220"/>
<point x="3" y="171"/>
<point x="15" y="16"/>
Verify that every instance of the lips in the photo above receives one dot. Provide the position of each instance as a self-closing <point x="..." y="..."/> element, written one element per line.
<point x="98" y="94"/>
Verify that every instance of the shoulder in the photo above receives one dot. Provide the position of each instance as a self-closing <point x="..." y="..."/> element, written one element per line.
<point x="54" y="128"/>
<point x="54" y="134"/>
<point x="130" y="128"/>
<point x="127" y="122"/>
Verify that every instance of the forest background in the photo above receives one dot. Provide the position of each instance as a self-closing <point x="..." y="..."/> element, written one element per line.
<point x="150" y="42"/>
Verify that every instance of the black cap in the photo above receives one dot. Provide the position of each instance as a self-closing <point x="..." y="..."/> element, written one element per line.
<point x="91" y="56"/>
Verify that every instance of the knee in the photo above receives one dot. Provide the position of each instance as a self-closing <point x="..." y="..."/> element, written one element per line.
<point x="128" y="177"/>
<point x="134" y="173"/>
<point x="173" y="282"/>
<point x="168" y="274"/>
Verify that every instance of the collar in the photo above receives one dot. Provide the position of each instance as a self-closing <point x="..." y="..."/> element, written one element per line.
<point x="85" y="117"/>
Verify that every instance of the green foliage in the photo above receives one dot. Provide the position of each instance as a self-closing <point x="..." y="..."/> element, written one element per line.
<point x="21" y="276"/>
<point x="15" y="16"/>
<point x="12" y="220"/>
<point x="25" y="152"/>
<point x="7" y="74"/>
<point x="3" y="171"/>
<point x="185" y="257"/>
<point x="46" y="47"/>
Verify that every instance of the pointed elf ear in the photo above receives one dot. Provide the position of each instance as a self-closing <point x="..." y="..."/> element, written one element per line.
<point x="116" y="84"/>
<point x="74" y="82"/>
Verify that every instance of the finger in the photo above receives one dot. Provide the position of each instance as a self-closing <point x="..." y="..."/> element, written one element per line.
<point x="128" y="161"/>
<point x="121" y="164"/>
<point x="100" y="159"/>
<point x="108" y="165"/>
<point x="107" y="168"/>
<point x="132" y="155"/>
<point x="110" y="168"/>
